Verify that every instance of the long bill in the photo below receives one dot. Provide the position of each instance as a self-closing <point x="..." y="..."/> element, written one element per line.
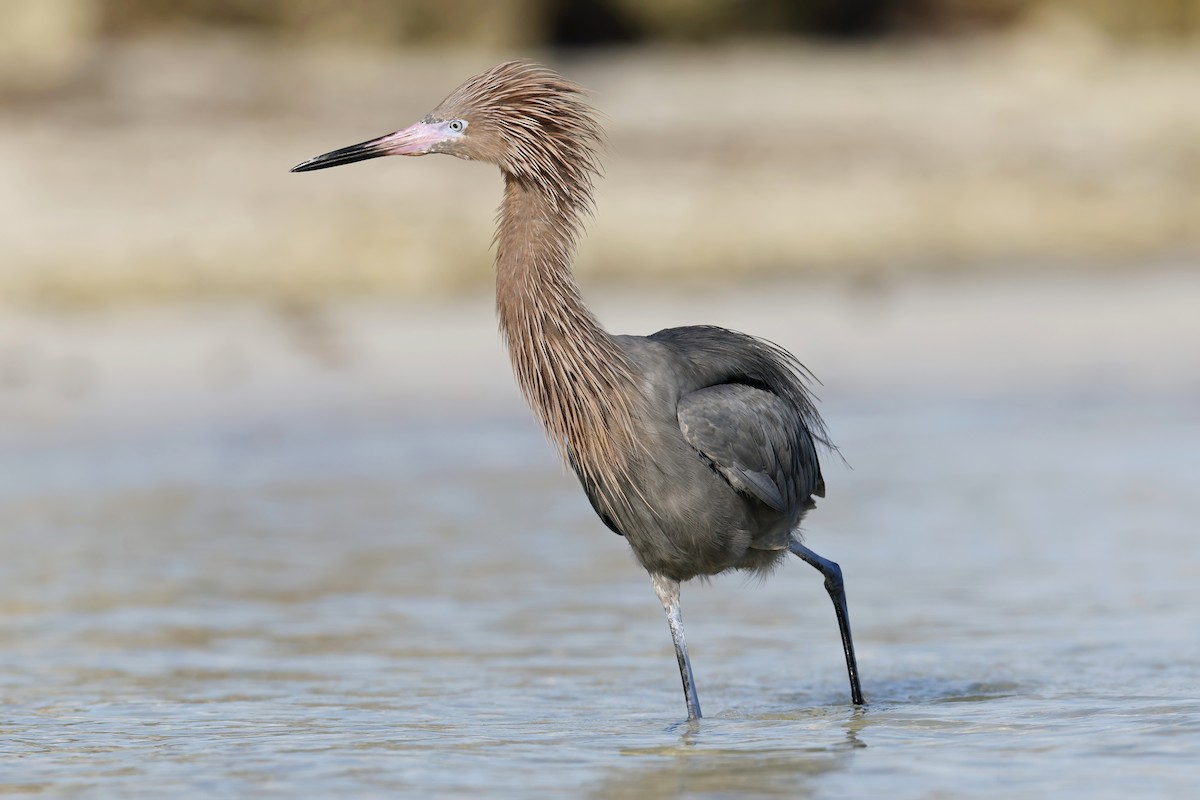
<point x="415" y="140"/>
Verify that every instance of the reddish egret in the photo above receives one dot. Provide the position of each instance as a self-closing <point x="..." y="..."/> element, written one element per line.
<point x="697" y="444"/>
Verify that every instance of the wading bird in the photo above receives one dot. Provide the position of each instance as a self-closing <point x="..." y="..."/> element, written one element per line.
<point x="697" y="444"/>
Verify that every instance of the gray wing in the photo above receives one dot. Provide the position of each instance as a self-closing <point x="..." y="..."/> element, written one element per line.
<point x="756" y="441"/>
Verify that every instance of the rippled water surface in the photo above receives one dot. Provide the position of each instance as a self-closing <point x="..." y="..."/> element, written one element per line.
<point x="377" y="606"/>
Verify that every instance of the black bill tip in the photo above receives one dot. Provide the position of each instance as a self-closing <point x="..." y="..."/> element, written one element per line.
<point x="346" y="155"/>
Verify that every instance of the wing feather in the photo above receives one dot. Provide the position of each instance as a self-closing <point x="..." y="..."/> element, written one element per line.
<point x="755" y="440"/>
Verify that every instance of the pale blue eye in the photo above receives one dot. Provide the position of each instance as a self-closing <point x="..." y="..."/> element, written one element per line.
<point x="457" y="125"/>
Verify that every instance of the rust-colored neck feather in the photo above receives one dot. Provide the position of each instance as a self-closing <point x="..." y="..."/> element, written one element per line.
<point x="570" y="370"/>
<point x="534" y="125"/>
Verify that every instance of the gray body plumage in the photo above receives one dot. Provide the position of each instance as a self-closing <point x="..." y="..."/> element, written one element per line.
<point x="729" y="464"/>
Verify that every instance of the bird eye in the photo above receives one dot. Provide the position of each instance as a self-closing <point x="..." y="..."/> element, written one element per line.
<point x="457" y="125"/>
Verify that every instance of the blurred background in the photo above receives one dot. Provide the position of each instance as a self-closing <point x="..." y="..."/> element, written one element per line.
<point x="855" y="145"/>
<point x="264" y="472"/>
<point x="873" y="150"/>
<point x="144" y="144"/>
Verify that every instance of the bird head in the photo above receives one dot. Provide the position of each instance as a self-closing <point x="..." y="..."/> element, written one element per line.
<point x="521" y="117"/>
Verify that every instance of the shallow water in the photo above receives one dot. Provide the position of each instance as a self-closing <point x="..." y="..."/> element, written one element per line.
<point x="317" y="603"/>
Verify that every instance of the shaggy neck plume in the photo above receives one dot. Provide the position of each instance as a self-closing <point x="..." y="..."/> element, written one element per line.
<point x="570" y="370"/>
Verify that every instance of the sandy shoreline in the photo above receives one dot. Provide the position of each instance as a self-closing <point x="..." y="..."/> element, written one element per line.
<point x="143" y="368"/>
<point x="165" y="177"/>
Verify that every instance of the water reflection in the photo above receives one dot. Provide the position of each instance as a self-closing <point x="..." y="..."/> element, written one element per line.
<point x="732" y="755"/>
<point x="708" y="773"/>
